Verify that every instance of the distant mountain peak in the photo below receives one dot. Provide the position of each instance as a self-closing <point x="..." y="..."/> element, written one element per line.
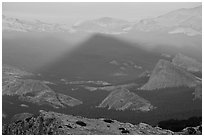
<point x="106" y="25"/>
<point x="186" y="21"/>
<point x="107" y="19"/>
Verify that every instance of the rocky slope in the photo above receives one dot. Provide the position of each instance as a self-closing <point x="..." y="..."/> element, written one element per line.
<point x="187" y="63"/>
<point x="123" y="99"/>
<point x="56" y="123"/>
<point x="166" y="74"/>
<point x="34" y="91"/>
<point x="52" y="123"/>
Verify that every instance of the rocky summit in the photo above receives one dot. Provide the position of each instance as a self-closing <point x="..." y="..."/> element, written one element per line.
<point x="166" y="74"/>
<point x="50" y="123"/>
<point x="123" y="99"/>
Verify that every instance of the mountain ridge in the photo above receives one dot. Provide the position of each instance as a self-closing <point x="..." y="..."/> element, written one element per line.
<point x="165" y="74"/>
<point x="186" y="21"/>
<point x="10" y="24"/>
<point x="122" y="99"/>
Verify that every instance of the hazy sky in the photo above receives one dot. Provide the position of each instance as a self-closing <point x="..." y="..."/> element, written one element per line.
<point x="71" y="12"/>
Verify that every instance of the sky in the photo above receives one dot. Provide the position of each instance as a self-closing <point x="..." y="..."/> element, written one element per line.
<point x="67" y="12"/>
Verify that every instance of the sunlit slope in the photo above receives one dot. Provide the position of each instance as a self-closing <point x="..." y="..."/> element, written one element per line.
<point x="165" y="75"/>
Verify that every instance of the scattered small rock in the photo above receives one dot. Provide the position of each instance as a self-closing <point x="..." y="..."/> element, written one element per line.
<point x="121" y="128"/>
<point x="191" y="131"/>
<point x="81" y="123"/>
<point x="68" y="126"/>
<point x="108" y="121"/>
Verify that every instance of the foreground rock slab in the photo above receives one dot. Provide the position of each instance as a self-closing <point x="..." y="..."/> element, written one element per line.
<point x="61" y="124"/>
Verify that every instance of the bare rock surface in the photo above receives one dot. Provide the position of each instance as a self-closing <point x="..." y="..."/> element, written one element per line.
<point x="166" y="74"/>
<point x="61" y="124"/>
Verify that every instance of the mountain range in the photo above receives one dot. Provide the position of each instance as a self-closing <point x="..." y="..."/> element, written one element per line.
<point x="20" y="25"/>
<point x="181" y="21"/>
